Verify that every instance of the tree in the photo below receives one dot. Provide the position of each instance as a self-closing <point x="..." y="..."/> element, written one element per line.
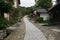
<point x="29" y="10"/>
<point x="4" y="7"/>
<point x="43" y="3"/>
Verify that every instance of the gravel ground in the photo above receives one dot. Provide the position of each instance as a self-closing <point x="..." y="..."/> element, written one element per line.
<point x="48" y="32"/>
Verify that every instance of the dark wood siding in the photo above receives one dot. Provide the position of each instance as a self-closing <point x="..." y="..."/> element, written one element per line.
<point x="58" y="1"/>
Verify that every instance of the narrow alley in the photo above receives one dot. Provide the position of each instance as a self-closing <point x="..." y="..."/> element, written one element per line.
<point x="32" y="32"/>
<point x="26" y="31"/>
<point x="30" y="20"/>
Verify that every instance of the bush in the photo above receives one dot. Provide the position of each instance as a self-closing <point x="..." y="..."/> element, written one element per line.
<point x="5" y="7"/>
<point x="11" y="22"/>
<point x="16" y="16"/>
<point x="3" y="23"/>
<point x="39" y="19"/>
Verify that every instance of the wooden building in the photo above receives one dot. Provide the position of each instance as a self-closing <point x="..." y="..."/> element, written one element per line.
<point x="55" y="14"/>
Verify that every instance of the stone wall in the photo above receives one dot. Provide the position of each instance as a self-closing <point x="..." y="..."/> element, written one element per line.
<point x="2" y="34"/>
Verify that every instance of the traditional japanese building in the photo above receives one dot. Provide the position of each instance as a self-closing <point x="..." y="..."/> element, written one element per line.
<point x="55" y="13"/>
<point x="42" y="13"/>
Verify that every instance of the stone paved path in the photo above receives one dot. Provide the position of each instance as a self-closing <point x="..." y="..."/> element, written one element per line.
<point x="32" y="32"/>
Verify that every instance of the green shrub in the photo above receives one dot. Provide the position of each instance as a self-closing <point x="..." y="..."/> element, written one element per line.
<point x="3" y="23"/>
<point x="49" y="23"/>
<point x="39" y="19"/>
<point x="11" y="22"/>
<point x="16" y="16"/>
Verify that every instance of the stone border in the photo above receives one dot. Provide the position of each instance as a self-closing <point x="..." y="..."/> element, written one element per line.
<point x="17" y="34"/>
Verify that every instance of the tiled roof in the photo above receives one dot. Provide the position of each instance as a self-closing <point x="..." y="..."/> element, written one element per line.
<point x="41" y="10"/>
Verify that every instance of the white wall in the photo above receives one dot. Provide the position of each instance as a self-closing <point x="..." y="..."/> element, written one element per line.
<point x="15" y="3"/>
<point x="54" y="2"/>
<point x="6" y="15"/>
<point x="45" y="16"/>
